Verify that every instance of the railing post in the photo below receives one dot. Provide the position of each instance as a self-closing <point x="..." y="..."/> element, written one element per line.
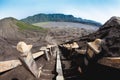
<point x="46" y="52"/>
<point x="49" y="47"/>
<point x="47" y="56"/>
<point x="27" y="58"/>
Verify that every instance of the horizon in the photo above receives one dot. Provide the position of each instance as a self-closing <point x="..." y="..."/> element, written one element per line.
<point x="97" y="10"/>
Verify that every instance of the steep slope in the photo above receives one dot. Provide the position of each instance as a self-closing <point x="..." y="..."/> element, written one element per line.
<point x="12" y="31"/>
<point x="58" y="18"/>
<point x="110" y="32"/>
<point x="8" y="29"/>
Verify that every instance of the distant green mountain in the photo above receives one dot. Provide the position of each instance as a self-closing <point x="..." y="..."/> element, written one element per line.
<point x="58" y="18"/>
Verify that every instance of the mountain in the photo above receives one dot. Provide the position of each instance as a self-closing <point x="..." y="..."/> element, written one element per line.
<point x="11" y="28"/>
<point x="12" y="31"/>
<point x="58" y="18"/>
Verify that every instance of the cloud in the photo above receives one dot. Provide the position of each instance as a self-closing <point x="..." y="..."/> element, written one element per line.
<point x="97" y="14"/>
<point x="98" y="10"/>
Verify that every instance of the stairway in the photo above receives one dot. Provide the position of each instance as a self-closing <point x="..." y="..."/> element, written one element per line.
<point x="48" y="70"/>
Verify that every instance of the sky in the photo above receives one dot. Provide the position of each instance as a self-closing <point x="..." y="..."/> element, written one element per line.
<point x="98" y="10"/>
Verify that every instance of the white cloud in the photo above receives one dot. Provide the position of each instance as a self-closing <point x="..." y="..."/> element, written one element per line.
<point x="97" y="14"/>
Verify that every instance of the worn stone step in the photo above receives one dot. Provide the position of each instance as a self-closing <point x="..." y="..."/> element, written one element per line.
<point x="47" y="71"/>
<point x="70" y="69"/>
<point x="44" y="79"/>
<point x="47" y="76"/>
<point x="70" y="74"/>
<point x="77" y="77"/>
<point x="50" y="67"/>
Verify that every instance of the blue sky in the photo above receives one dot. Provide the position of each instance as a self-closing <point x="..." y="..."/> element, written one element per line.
<point x="99" y="10"/>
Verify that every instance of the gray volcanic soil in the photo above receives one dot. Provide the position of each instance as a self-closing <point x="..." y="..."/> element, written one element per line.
<point x="10" y="35"/>
<point x="65" y="25"/>
<point x="66" y="31"/>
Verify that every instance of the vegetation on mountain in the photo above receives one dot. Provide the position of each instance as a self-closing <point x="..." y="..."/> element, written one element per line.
<point x="24" y="26"/>
<point x="58" y="18"/>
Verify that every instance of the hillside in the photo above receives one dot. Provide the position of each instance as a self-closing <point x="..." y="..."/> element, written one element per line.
<point x="58" y="18"/>
<point x="12" y="31"/>
<point x="110" y="33"/>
